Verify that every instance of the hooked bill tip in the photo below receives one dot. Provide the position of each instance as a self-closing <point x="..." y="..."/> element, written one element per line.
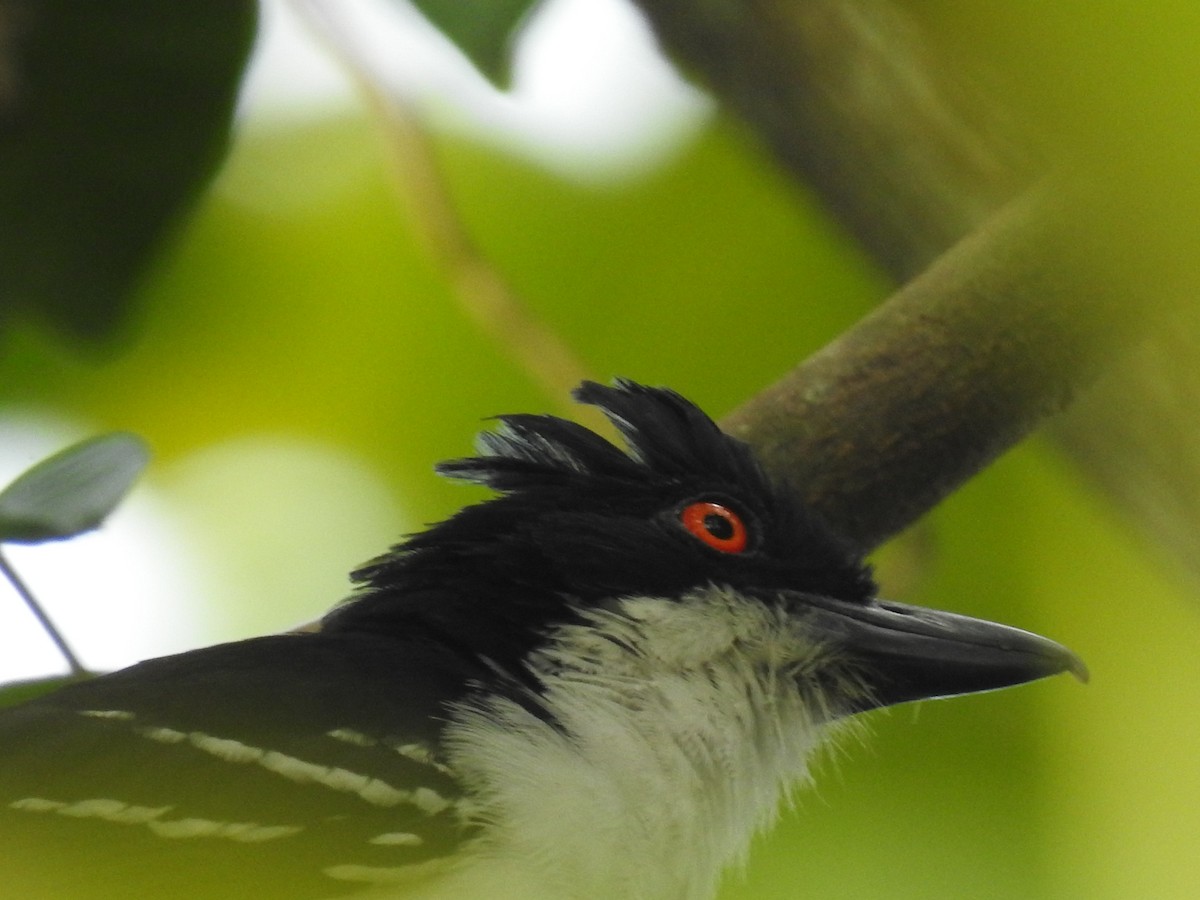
<point x="1064" y="660"/>
<point x="1079" y="669"/>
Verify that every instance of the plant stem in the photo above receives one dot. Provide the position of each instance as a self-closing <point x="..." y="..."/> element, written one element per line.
<point x="77" y="668"/>
<point x="481" y="290"/>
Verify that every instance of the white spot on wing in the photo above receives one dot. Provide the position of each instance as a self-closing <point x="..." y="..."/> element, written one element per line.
<point x="185" y="828"/>
<point x="119" y="714"/>
<point x="117" y="812"/>
<point x="96" y="808"/>
<point x="112" y="811"/>
<point x="397" y="839"/>
<point x="372" y="790"/>
<point x="350" y="736"/>
<point x="369" y="874"/>
<point x="253" y="833"/>
<point x="414" y="752"/>
<point x="429" y="801"/>
<point x="36" y="804"/>
<point x="387" y="874"/>
<point x="420" y="753"/>
<point x="162" y="735"/>
<point x="244" y="832"/>
<point x="225" y="748"/>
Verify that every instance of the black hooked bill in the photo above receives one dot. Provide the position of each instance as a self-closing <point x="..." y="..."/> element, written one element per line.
<point x="913" y="653"/>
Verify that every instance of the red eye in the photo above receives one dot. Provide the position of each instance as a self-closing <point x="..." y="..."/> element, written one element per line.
<point x="716" y="525"/>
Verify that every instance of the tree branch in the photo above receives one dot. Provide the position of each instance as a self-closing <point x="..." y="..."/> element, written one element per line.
<point x="958" y="366"/>
<point x="1003" y="330"/>
<point x="855" y="105"/>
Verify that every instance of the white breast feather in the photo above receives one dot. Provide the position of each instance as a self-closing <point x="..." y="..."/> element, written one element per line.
<point x="680" y="730"/>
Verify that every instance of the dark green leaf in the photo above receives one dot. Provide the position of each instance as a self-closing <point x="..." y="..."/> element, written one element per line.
<point x="484" y="30"/>
<point x="113" y="115"/>
<point x="72" y="491"/>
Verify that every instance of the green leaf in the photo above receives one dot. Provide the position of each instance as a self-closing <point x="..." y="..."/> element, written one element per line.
<point x="485" y="30"/>
<point x="113" y="116"/>
<point x="72" y="491"/>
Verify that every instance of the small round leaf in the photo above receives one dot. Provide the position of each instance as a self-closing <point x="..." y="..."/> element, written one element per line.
<point x="72" y="491"/>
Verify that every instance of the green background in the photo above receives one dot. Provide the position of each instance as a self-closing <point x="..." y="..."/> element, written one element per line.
<point x="298" y="309"/>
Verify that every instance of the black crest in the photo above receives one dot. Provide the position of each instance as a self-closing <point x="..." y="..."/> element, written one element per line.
<point x="668" y="437"/>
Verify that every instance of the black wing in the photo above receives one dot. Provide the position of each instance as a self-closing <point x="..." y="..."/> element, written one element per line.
<point x="290" y="766"/>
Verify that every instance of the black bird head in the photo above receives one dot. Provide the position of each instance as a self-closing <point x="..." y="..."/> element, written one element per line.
<point x="579" y="526"/>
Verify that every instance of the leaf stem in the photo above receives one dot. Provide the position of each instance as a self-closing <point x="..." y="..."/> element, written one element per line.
<point x="481" y="290"/>
<point x="77" y="668"/>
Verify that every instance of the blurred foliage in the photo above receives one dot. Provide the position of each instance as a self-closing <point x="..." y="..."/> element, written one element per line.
<point x="1109" y="88"/>
<point x="485" y="32"/>
<point x="299" y="302"/>
<point x="297" y="306"/>
<point x="1054" y="791"/>
<point x="112" y="117"/>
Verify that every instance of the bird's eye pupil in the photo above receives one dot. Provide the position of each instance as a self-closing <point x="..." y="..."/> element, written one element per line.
<point x="715" y="525"/>
<point x="718" y="526"/>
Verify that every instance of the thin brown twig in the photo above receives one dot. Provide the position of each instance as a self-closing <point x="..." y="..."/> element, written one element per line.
<point x="78" y="669"/>
<point x="483" y="292"/>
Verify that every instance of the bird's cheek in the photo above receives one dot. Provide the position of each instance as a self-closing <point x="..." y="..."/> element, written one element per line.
<point x="614" y="560"/>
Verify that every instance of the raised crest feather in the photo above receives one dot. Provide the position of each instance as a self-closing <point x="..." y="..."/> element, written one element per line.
<point x="667" y="436"/>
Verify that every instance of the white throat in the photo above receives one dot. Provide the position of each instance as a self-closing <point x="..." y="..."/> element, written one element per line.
<point x="679" y="731"/>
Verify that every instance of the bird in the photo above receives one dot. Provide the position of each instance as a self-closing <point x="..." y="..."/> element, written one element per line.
<point x="602" y="681"/>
